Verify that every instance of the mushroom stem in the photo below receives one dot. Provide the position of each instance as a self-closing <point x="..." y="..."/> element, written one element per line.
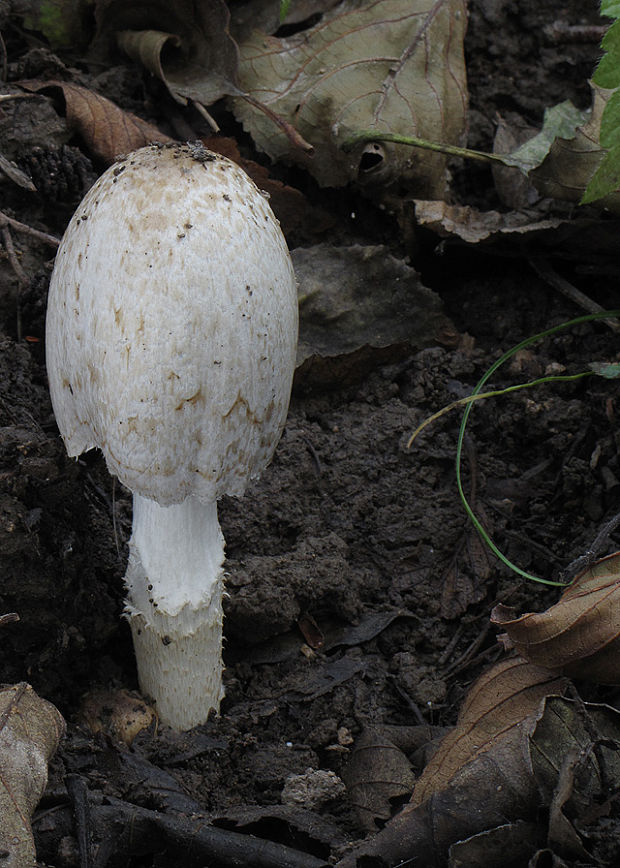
<point x="174" y="604"/>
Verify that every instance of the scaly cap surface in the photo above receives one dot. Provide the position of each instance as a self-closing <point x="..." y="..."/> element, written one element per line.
<point x="172" y="325"/>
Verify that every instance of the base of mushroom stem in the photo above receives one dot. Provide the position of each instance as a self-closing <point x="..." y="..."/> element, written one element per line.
<point x="181" y="672"/>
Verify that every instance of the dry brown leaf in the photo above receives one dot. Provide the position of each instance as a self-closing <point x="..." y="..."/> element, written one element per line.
<point x="497" y="703"/>
<point x="580" y="634"/>
<point x="480" y="777"/>
<point x="576" y="762"/>
<point x="377" y="773"/>
<point x="106" y="129"/>
<point x="30" y="731"/>
<point x="394" y="66"/>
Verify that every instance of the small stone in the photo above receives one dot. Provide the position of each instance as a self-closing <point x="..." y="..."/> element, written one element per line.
<point x="312" y="789"/>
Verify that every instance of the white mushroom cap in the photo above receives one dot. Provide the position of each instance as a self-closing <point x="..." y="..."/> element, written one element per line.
<point x="172" y="325"/>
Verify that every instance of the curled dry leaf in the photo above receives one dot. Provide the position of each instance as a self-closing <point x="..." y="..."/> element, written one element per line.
<point x="474" y="227"/>
<point x="30" y="731"/>
<point x="580" y="634"/>
<point x="200" y="58"/>
<point x="395" y="66"/>
<point x="106" y="129"/>
<point x="377" y="775"/>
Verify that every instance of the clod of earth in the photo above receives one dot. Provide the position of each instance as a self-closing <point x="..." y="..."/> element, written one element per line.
<point x="171" y="340"/>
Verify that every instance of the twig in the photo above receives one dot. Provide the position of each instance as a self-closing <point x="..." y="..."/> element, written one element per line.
<point x="560" y="33"/>
<point x="22" y="277"/>
<point x="78" y="792"/>
<point x="9" y="618"/>
<point x="205" y="114"/>
<point x="5" y="66"/>
<point x="16" y="175"/>
<point x="294" y="137"/>
<point x="454" y="641"/>
<point x="544" y="270"/>
<point x="466" y="657"/>
<point x="129" y="830"/>
<point x="584" y="561"/>
<point x="5" y="220"/>
<point x="314" y="456"/>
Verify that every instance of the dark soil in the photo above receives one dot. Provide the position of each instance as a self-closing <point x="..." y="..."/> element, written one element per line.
<point x="358" y="592"/>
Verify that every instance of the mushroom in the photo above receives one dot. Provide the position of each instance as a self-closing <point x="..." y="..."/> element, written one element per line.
<point x="171" y="337"/>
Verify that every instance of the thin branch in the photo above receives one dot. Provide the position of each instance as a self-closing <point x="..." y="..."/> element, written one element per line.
<point x="548" y="274"/>
<point x="5" y="220"/>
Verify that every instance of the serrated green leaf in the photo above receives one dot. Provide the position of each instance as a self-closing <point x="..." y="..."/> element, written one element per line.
<point x="610" y="122"/>
<point x="606" y="179"/>
<point x="610" y="8"/>
<point x="609" y="370"/>
<point x="607" y="73"/>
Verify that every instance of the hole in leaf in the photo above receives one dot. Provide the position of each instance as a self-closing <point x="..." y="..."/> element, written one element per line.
<point x="298" y="26"/>
<point x="372" y="157"/>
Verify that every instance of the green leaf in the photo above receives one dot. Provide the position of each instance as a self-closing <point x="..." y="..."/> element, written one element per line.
<point x="609" y="370"/>
<point x="285" y="5"/>
<point x="606" y="179"/>
<point x="610" y="8"/>
<point x="64" y="23"/>
<point x="607" y="73"/>
<point x="610" y="122"/>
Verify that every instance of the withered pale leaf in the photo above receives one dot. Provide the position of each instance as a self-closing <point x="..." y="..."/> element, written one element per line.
<point x="355" y="303"/>
<point x="580" y="634"/>
<point x="473" y="226"/>
<point x="30" y="731"/>
<point x="377" y="773"/>
<point x="396" y="66"/>
<point x="106" y="129"/>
